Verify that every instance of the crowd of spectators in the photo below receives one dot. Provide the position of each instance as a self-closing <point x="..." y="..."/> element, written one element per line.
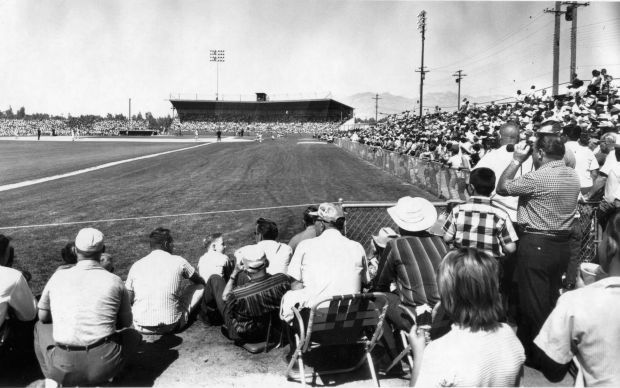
<point x="474" y="130"/>
<point x="88" y="324"/>
<point x="236" y="127"/>
<point x="67" y="127"/>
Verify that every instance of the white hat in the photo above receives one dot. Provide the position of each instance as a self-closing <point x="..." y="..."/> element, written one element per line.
<point x="413" y="214"/>
<point x="384" y="236"/>
<point x="89" y="240"/>
<point x="253" y="257"/>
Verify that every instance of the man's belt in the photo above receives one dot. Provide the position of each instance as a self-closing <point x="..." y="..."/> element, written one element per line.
<point x="74" y="348"/>
<point x="555" y="233"/>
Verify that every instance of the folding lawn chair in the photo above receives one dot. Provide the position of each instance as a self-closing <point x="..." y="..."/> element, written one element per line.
<point x="336" y="321"/>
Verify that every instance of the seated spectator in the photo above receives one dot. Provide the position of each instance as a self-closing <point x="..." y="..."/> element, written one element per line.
<point x="585" y="324"/>
<point x="214" y="261"/>
<point x="477" y="223"/>
<point x="278" y="254"/>
<point x="309" y="230"/>
<point x="68" y="256"/>
<point x="159" y="297"/>
<point x="245" y="306"/>
<point x="76" y="338"/>
<point x="377" y="246"/>
<point x="18" y="308"/>
<point x="479" y="351"/>
<point x="329" y="264"/>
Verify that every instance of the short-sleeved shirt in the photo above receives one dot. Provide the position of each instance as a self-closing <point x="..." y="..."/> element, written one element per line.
<point x="463" y="358"/>
<point x="585" y="162"/>
<point x="411" y="262"/>
<point x="157" y="281"/>
<point x="15" y="293"/>
<point x="586" y="323"/>
<point x="278" y="254"/>
<point x="477" y="224"/>
<point x="213" y="263"/>
<point x="547" y="197"/>
<point x="86" y="302"/>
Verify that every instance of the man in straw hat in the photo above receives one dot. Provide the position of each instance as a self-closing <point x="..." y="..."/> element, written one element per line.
<point x="410" y="261"/>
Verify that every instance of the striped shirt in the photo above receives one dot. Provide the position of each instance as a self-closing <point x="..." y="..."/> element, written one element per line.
<point x="547" y="197"/>
<point x="463" y="358"/>
<point x="156" y="281"/>
<point x="411" y="262"/>
<point x="251" y="303"/>
<point x="477" y="224"/>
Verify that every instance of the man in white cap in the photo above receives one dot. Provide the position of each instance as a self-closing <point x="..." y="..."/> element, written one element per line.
<point x="329" y="264"/>
<point x="76" y="338"/>
<point x="245" y="302"/>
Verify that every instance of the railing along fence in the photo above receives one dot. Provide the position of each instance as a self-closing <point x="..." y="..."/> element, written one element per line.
<point x="365" y="219"/>
<point x="433" y="177"/>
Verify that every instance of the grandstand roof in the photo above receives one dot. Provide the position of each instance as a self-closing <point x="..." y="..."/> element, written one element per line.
<point x="312" y="109"/>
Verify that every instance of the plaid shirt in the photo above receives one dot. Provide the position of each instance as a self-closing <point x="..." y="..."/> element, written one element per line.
<point x="547" y="197"/>
<point x="477" y="224"/>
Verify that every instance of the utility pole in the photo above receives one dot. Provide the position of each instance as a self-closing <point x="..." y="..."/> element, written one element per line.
<point x="459" y="76"/>
<point x="129" y="117"/>
<point x="556" y="46"/>
<point x="571" y="16"/>
<point x="422" y="70"/>
<point x="376" y="98"/>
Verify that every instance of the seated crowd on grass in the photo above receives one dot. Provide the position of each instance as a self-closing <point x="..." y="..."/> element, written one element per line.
<point x="450" y="273"/>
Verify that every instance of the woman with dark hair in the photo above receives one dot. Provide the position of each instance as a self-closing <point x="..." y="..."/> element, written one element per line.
<point x="479" y="350"/>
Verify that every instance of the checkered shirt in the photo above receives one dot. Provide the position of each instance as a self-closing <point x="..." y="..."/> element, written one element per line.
<point x="477" y="224"/>
<point x="547" y="197"/>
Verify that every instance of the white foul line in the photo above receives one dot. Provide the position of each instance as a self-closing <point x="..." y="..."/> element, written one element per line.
<point x="85" y="170"/>
<point x="151" y="217"/>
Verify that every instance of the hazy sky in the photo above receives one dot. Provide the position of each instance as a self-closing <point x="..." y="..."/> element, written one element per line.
<point x="83" y="56"/>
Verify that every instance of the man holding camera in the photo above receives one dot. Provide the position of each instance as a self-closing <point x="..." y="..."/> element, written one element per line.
<point x="546" y="210"/>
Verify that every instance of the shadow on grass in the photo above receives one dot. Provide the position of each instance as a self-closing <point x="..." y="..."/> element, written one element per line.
<point x="155" y="355"/>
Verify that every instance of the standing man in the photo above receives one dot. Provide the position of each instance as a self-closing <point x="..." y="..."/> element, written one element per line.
<point x="161" y="301"/>
<point x="219" y="135"/>
<point x="324" y="266"/>
<point x="81" y="308"/>
<point x="38" y="133"/>
<point x="546" y="210"/>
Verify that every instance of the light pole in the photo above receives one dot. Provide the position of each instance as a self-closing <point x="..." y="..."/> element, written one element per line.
<point x="217" y="56"/>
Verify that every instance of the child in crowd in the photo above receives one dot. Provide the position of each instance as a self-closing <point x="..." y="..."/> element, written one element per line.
<point x="214" y="261"/>
<point x="477" y="223"/>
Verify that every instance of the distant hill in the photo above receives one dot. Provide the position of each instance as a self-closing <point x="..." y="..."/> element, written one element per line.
<point x="364" y="103"/>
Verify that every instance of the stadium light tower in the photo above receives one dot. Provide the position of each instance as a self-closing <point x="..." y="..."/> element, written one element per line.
<point x="217" y="56"/>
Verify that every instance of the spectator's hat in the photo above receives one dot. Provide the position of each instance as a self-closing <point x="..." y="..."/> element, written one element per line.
<point x="329" y="212"/>
<point x="550" y="127"/>
<point x="413" y="214"/>
<point x="384" y="236"/>
<point x="252" y="256"/>
<point x="89" y="240"/>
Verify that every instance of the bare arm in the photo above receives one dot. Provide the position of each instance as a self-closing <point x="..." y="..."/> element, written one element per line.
<point x="520" y="155"/>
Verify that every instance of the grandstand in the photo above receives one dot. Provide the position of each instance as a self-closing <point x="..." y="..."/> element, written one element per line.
<point x="262" y="110"/>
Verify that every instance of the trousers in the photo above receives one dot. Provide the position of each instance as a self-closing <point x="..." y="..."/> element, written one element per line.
<point x="541" y="261"/>
<point x="83" y="367"/>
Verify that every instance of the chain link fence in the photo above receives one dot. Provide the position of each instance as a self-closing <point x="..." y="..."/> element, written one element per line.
<point x="365" y="219"/>
<point x="434" y="177"/>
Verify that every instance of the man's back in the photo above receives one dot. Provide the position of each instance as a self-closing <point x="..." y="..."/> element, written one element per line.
<point x="278" y="254"/>
<point x="585" y="162"/>
<point x="85" y="302"/>
<point x="585" y="323"/>
<point x="15" y="293"/>
<point x="329" y="264"/>
<point x="157" y="283"/>
<point x="411" y="262"/>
